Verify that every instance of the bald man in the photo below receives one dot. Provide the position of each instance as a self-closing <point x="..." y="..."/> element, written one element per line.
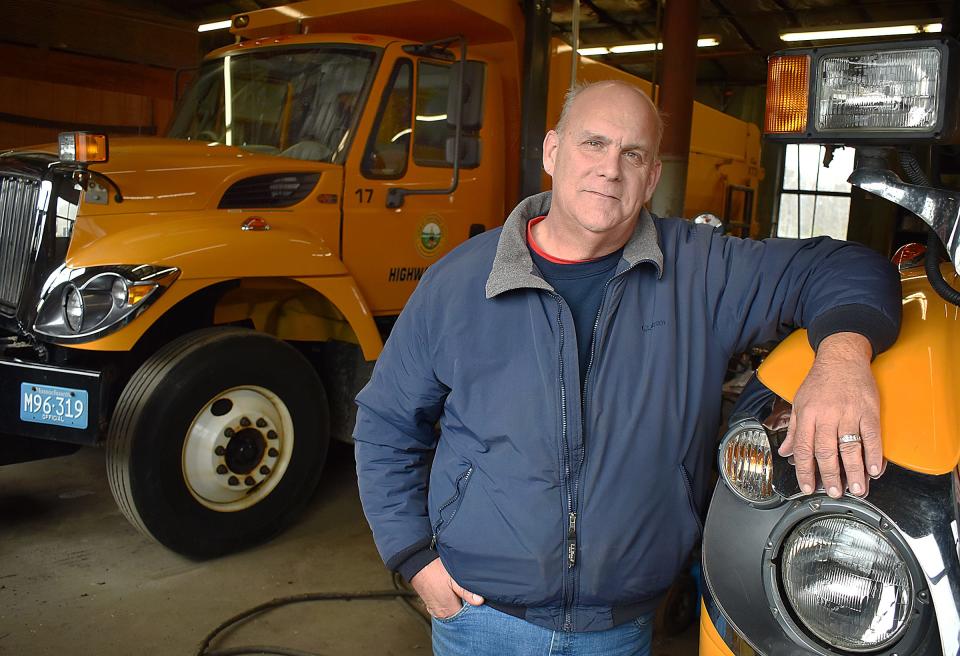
<point x="573" y="361"/>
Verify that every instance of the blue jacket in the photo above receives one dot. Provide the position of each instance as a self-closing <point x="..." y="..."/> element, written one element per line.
<point x="576" y="511"/>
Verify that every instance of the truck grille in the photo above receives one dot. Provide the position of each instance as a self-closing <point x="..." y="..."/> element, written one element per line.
<point x="19" y="229"/>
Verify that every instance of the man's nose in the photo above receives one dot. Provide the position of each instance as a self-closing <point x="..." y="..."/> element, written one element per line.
<point x="610" y="164"/>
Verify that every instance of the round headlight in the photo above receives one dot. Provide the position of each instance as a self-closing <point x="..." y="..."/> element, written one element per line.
<point x="119" y="292"/>
<point x="73" y="308"/>
<point x="846" y="583"/>
<point x="746" y="462"/>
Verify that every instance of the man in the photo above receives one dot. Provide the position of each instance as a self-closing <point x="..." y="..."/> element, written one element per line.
<point x="574" y="363"/>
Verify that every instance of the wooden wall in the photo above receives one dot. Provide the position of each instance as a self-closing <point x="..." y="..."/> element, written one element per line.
<point x="88" y="65"/>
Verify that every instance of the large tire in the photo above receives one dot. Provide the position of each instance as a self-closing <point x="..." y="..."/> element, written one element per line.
<point x="218" y="441"/>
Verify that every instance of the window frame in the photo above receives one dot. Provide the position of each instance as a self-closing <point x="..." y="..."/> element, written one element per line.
<point x="381" y="107"/>
<point x="800" y="193"/>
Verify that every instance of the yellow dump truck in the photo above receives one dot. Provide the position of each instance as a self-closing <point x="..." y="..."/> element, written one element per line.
<point x="206" y="305"/>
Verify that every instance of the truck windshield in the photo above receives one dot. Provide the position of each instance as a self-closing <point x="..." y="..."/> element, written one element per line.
<point x="300" y="103"/>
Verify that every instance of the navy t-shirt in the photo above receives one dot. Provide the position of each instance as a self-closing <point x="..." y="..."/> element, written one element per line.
<point x="581" y="286"/>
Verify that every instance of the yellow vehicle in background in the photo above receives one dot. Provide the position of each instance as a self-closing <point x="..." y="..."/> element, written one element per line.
<point x="207" y="305"/>
<point x="786" y="573"/>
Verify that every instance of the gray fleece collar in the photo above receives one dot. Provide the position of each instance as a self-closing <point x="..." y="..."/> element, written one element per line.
<point x="513" y="266"/>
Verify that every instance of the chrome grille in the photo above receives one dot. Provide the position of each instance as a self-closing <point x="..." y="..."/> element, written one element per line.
<point x="19" y="230"/>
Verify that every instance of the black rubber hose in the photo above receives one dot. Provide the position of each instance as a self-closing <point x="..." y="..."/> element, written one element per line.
<point x="931" y="264"/>
<point x="931" y="261"/>
<point x="377" y="595"/>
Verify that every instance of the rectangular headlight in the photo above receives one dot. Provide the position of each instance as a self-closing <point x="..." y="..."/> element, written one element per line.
<point x="893" y="90"/>
<point x="886" y="93"/>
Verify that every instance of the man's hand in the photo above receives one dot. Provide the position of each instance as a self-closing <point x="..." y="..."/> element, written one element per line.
<point x="838" y="397"/>
<point x="440" y="593"/>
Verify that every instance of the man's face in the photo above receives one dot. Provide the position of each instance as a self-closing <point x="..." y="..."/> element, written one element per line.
<point x="604" y="166"/>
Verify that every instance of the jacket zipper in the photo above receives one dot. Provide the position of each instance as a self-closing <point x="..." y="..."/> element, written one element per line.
<point x="693" y="507"/>
<point x="571" y="516"/>
<point x="463" y="478"/>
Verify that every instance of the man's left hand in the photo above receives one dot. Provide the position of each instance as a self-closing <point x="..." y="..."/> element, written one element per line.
<point x="838" y="397"/>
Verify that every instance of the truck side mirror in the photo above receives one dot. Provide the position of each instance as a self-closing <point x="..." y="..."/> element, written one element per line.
<point x="471" y="112"/>
<point x="469" y="151"/>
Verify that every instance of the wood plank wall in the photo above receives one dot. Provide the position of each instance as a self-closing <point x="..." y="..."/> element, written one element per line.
<point x="88" y="65"/>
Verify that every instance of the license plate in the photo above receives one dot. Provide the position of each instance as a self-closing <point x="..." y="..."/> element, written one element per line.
<point x="57" y="406"/>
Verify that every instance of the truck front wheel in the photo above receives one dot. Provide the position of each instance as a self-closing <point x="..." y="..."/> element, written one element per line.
<point x="218" y="441"/>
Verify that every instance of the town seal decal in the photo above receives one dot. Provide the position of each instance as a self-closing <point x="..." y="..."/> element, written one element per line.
<point x="429" y="236"/>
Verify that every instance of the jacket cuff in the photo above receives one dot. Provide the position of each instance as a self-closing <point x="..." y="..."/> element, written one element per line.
<point x="862" y="319"/>
<point x="411" y="560"/>
<point x="412" y="565"/>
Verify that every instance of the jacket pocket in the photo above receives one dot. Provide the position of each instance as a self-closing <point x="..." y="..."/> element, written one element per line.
<point x="688" y="484"/>
<point x="448" y="509"/>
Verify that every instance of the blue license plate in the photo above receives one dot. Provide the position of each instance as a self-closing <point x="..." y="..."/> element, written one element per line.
<point x="57" y="406"/>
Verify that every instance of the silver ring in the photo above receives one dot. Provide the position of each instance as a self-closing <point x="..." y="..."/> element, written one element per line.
<point x="849" y="437"/>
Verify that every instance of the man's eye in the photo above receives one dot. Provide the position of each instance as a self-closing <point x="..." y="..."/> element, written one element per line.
<point x="592" y="143"/>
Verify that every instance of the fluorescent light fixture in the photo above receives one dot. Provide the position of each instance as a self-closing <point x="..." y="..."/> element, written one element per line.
<point x="590" y="52"/>
<point x="219" y="25"/>
<point x="649" y="46"/>
<point x="862" y="32"/>
<point x="400" y="134"/>
<point x="430" y="118"/>
<point x="636" y="47"/>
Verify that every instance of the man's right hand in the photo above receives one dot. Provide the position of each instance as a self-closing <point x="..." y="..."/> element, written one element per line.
<point x="440" y="593"/>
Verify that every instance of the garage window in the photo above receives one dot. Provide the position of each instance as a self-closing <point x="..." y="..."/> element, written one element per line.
<point x="814" y="199"/>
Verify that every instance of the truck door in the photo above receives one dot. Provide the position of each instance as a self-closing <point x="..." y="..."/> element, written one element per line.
<point x="405" y="141"/>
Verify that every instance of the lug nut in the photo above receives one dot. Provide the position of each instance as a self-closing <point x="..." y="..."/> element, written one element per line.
<point x="228" y="433"/>
<point x="264" y="470"/>
<point x="272" y="435"/>
<point x="273" y="453"/>
<point x="233" y="480"/>
<point x="244" y="422"/>
<point x="261" y="423"/>
<point x="249" y="481"/>
<point x="222" y="469"/>
<point x="219" y="450"/>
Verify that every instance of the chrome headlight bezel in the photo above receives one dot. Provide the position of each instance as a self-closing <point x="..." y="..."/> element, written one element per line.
<point x="108" y="297"/>
<point x="750" y="430"/>
<point x="819" y="507"/>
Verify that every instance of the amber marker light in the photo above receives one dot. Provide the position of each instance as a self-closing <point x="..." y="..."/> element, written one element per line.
<point x="82" y="147"/>
<point x="137" y="292"/>
<point x="788" y="89"/>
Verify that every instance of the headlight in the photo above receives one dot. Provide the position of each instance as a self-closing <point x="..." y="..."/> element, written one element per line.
<point x="72" y="308"/>
<point x="879" y="90"/>
<point x="746" y="462"/>
<point x="84" y="304"/>
<point x="894" y="92"/>
<point x="846" y="583"/>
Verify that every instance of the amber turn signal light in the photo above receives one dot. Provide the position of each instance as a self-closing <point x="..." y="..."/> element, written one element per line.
<point x="788" y="93"/>
<point x="82" y="147"/>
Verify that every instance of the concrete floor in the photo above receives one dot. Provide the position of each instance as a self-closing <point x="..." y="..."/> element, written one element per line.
<point x="76" y="579"/>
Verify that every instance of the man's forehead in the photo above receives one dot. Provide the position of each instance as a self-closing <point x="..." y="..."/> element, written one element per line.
<point x="626" y="130"/>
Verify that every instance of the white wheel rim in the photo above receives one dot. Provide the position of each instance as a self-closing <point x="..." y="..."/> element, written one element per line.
<point x="237" y="448"/>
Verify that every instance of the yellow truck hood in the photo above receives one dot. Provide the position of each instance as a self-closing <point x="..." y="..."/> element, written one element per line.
<point x="163" y="175"/>
<point x="917" y="378"/>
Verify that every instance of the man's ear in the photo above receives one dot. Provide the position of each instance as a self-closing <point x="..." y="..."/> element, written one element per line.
<point x="551" y="143"/>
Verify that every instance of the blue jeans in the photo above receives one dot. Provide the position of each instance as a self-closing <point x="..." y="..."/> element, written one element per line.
<point x="483" y="631"/>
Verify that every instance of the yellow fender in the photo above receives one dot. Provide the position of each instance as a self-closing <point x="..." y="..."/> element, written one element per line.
<point x="919" y="420"/>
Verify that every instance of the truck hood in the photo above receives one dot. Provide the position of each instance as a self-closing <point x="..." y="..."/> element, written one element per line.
<point x="163" y="175"/>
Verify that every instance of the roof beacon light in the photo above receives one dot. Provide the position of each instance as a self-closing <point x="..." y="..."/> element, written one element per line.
<point x="82" y="147"/>
<point x="788" y="85"/>
<point x="887" y="90"/>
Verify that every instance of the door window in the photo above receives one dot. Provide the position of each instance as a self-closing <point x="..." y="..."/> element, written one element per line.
<point x="387" y="151"/>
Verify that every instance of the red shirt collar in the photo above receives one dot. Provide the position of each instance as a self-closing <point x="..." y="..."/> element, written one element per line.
<point x="541" y="252"/>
